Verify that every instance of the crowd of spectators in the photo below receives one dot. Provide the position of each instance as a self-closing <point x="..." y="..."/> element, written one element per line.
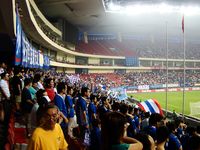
<point x="53" y="108"/>
<point x="143" y="48"/>
<point x="143" y="78"/>
<point x="160" y="77"/>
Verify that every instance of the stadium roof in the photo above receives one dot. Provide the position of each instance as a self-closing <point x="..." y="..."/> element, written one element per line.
<point x="146" y="18"/>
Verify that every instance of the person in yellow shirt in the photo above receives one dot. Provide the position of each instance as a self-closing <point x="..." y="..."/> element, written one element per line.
<point x="48" y="135"/>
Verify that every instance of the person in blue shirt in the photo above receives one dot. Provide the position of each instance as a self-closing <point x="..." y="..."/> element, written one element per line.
<point x="82" y="111"/>
<point x="104" y="107"/>
<point x="70" y="111"/>
<point x="92" y="109"/>
<point x="60" y="103"/>
<point x="131" y="130"/>
<point x="174" y="142"/>
<point x="154" y="121"/>
<point x="95" y="137"/>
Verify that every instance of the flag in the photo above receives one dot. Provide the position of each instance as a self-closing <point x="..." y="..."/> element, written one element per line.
<point x="151" y="105"/>
<point x="183" y="24"/>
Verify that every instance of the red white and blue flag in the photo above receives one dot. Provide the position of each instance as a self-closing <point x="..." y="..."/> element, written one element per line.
<point x="151" y="105"/>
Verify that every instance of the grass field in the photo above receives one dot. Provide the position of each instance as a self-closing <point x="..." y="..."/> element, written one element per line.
<point x="174" y="99"/>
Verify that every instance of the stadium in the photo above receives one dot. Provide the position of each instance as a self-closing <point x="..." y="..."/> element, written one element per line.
<point x="134" y="55"/>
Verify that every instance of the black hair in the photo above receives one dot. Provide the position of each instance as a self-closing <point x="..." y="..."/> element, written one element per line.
<point x="144" y="139"/>
<point x="115" y="106"/>
<point x="96" y="122"/>
<point x="27" y="81"/>
<point x="3" y="75"/>
<point x="37" y="77"/>
<point x="154" y="119"/>
<point x="162" y="133"/>
<point x="69" y="88"/>
<point x="112" y="125"/>
<point x="83" y="90"/>
<point x="124" y="108"/>
<point x="172" y="126"/>
<point x="61" y="86"/>
<point x="92" y="97"/>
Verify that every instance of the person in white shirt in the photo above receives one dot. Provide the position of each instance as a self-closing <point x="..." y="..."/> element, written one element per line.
<point x="4" y="85"/>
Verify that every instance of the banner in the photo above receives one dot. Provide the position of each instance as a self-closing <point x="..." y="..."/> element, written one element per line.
<point x="25" y="54"/>
<point x="151" y="105"/>
<point x="119" y="93"/>
<point x="143" y="87"/>
<point x="156" y="86"/>
<point x="18" y="49"/>
<point x="46" y="62"/>
<point x="25" y="49"/>
<point x="131" y="87"/>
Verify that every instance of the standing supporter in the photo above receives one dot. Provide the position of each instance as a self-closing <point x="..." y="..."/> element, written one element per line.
<point x="27" y="103"/>
<point x="82" y="111"/>
<point x="174" y="142"/>
<point x="114" y="125"/>
<point x="39" y="80"/>
<point x="92" y="109"/>
<point x="162" y="135"/>
<point x="95" y="137"/>
<point x="17" y="87"/>
<point x="154" y="121"/>
<point x="5" y="96"/>
<point x="131" y="130"/>
<point x="137" y="119"/>
<point x="181" y="127"/>
<point x="50" y="89"/>
<point x="60" y="103"/>
<point x="70" y="110"/>
<point x="104" y="108"/>
<point x="147" y="141"/>
<point x="145" y="121"/>
<point x="115" y="106"/>
<point x="33" y="90"/>
<point x="4" y="85"/>
<point x="48" y="135"/>
<point x="189" y="132"/>
<point x="2" y="67"/>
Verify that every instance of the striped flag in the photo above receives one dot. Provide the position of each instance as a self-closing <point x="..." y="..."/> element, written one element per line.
<point x="151" y="105"/>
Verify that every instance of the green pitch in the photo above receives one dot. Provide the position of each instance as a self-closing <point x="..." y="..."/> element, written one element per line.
<point x="174" y="99"/>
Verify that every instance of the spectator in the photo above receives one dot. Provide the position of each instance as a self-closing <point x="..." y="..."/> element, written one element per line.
<point x="70" y="111"/>
<point x="60" y="103"/>
<point x="174" y="142"/>
<point x="95" y="137"/>
<point x="27" y="103"/>
<point x="4" y="85"/>
<point x="154" y="121"/>
<point x="162" y="135"/>
<point x="92" y="109"/>
<point x="50" y="89"/>
<point x="17" y="87"/>
<point x="114" y="126"/>
<point x="82" y="111"/>
<point x="49" y="134"/>
<point x="146" y="140"/>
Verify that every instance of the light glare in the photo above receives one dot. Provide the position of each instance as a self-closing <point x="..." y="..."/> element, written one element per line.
<point x="158" y="8"/>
